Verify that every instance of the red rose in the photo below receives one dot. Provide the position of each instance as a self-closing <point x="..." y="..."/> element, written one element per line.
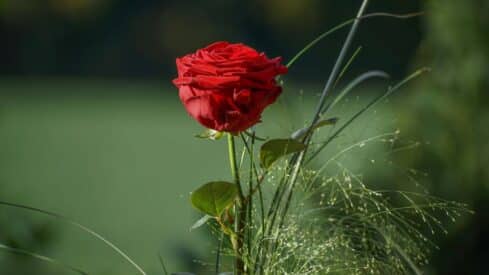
<point x="227" y="86"/>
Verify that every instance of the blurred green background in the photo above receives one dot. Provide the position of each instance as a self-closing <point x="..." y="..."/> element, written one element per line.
<point x="91" y="128"/>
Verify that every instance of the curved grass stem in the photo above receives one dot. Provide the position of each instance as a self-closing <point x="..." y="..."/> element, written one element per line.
<point x="41" y="258"/>
<point x="82" y="227"/>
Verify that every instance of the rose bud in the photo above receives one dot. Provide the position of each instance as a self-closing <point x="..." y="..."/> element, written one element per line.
<point x="226" y="87"/>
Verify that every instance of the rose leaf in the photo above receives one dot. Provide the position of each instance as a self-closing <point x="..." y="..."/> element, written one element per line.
<point x="213" y="197"/>
<point x="274" y="149"/>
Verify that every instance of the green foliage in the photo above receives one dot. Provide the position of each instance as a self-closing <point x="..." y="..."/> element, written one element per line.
<point x="214" y="197"/>
<point x="274" y="149"/>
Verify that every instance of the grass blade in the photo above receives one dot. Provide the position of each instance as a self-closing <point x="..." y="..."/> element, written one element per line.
<point x="334" y="72"/>
<point x="201" y="222"/>
<point x="218" y="254"/>
<point x="80" y="226"/>
<point x="347" y="65"/>
<point x="357" y="81"/>
<point x="342" y="25"/>
<point x="367" y="107"/>
<point x="41" y="258"/>
<point x="163" y="266"/>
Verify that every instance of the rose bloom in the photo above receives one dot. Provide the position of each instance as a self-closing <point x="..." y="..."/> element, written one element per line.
<point x="227" y="86"/>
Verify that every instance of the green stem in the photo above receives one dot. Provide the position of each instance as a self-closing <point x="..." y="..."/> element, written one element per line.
<point x="233" y="164"/>
<point x="218" y="256"/>
<point x="249" y="200"/>
<point x="240" y="210"/>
